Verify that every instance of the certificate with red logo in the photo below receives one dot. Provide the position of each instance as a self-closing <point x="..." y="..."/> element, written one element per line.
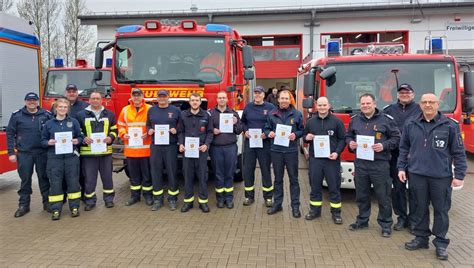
<point x="191" y="147"/>
<point x="98" y="145"/>
<point x="255" y="140"/>
<point x="63" y="142"/>
<point x="282" y="135"/>
<point x="321" y="146"/>
<point x="364" y="147"/>
<point x="135" y="134"/>
<point x="162" y="134"/>
<point x="226" y="123"/>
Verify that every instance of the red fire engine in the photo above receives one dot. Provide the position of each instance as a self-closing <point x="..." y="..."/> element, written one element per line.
<point x="82" y="75"/>
<point x="379" y="70"/>
<point x="181" y="58"/>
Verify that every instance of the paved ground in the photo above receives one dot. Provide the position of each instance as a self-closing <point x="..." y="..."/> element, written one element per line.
<point x="244" y="236"/>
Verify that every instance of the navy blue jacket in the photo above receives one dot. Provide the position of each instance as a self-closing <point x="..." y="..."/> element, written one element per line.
<point x="290" y="117"/>
<point x="195" y="125"/>
<point x="164" y="116"/>
<point x="431" y="152"/>
<point x="330" y="125"/>
<point x="381" y="126"/>
<point x="54" y="125"/>
<point x="255" y="116"/>
<point x="225" y="138"/>
<point x="24" y="130"/>
<point x="402" y="113"/>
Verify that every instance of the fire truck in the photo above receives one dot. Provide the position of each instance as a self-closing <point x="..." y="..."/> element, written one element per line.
<point x="379" y="69"/>
<point x="20" y="73"/>
<point x="82" y="75"/>
<point x="183" y="58"/>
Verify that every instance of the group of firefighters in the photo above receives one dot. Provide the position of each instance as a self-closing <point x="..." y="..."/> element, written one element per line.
<point x="410" y="141"/>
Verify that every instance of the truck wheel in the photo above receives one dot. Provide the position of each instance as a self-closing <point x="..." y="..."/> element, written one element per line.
<point x="238" y="177"/>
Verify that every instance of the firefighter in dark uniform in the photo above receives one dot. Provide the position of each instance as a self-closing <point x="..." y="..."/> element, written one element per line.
<point x="430" y="146"/>
<point x="372" y="122"/>
<point x="402" y="111"/>
<point x="283" y="156"/>
<point x="24" y="135"/>
<point x="62" y="167"/>
<point x="324" y="123"/>
<point x="254" y="117"/>
<point x="224" y="152"/>
<point x="164" y="156"/>
<point x="195" y="122"/>
<point x="76" y="105"/>
<point x="96" y="119"/>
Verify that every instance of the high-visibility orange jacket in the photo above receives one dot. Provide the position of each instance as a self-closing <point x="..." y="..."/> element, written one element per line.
<point x="130" y="117"/>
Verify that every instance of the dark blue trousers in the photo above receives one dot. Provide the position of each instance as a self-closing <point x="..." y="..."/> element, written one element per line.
<point x="192" y="168"/>
<point x="290" y="161"/>
<point x="376" y="173"/>
<point x="320" y="168"/>
<point x="400" y="193"/>
<point x="25" y="164"/>
<point x="438" y="192"/>
<point x="224" y="161"/>
<point x="164" y="157"/>
<point x="140" y="179"/>
<point x="251" y="155"/>
<point x="91" y="167"/>
<point x="63" y="168"/>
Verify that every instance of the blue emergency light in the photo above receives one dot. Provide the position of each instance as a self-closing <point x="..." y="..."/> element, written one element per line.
<point x="58" y="63"/>
<point x="108" y="62"/>
<point x="218" y="28"/>
<point x="436" y="45"/>
<point x="129" y="29"/>
<point x="333" y="48"/>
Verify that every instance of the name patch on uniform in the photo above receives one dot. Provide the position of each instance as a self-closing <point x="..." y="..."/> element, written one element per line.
<point x="69" y="124"/>
<point x="265" y="112"/>
<point x="170" y="115"/>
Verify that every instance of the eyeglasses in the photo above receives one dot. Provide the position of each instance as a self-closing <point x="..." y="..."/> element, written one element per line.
<point x="428" y="102"/>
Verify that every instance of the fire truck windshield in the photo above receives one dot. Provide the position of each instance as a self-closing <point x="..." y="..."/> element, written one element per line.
<point x="84" y="80"/>
<point x="170" y="59"/>
<point x="380" y="78"/>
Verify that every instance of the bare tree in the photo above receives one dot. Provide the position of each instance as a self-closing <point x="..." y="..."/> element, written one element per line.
<point x="51" y="12"/>
<point x="5" y="5"/>
<point x="79" y="37"/>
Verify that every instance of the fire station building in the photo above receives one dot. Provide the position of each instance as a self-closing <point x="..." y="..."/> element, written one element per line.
<point x="283" y="36"/>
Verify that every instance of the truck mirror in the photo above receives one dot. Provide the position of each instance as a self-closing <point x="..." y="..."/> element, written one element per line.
<point x="309" y="83"/>
<point x="469" y="83"/>
<point x="97" y="75"/>
<point x="249" y="75"/>
<point x="308" y="103"/>
<point x="247" y="56"/>
<point x="468" y="104"/>
<point x="99" y="58"/>
<point x="327" y="73"/>
<point x="230" y="89"/>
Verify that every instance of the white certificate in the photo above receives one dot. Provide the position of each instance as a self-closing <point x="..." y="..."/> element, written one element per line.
<point x="191" y="147"/>
<point x="282" y="134"/>
<point x="98" y="145"/>
<point x="255" y="140"/>
<point x="364" y="147"/>
<point x="226" y="123"/>
<point x="63" y="142"/>
<point x="135" y="134"/>
<point x="321" y="146"/>
<point x="162" y="134"/>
